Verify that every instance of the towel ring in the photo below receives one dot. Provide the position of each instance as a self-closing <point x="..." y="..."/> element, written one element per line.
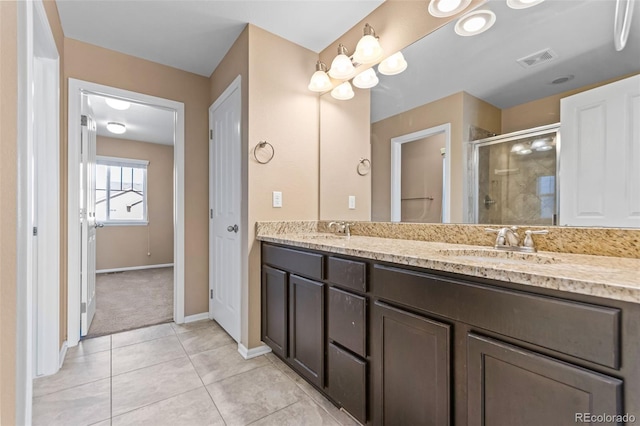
<point x="363" y="167"/>
<point x="262" y="144"/>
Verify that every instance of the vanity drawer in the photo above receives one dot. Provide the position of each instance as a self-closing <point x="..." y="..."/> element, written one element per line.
<point x="347" y="382"/>
<point x="347" y="273"/>
<point x="299" y="262"/>
<point x="347" y="320"/>
<point x="582" y="330"/>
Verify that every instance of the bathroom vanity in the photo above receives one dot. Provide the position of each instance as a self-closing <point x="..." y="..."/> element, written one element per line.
<point x="402" y="332"/>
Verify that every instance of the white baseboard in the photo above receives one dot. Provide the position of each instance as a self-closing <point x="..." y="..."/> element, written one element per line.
<point x="134" y="268"/>
<point x="196" y="317"/>
<point x="253" y="352"/>
<point x="63" y="353"/>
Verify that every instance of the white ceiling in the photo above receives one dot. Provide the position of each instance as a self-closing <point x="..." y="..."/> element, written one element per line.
<point x="443" y="63"/>
<point x="195" y="35"/>
<point x="144" y="123"/>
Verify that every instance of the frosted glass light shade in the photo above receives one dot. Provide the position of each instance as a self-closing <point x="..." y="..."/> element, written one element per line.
<point x="368" y="50"/>
<point x="117" y="104"/>
<point x="343" y="92"/>
<point x="366" y="79"/>
<point x="116" y="128"/>
<point x="522" y="4"/>
<point x="341" y="68"/>
<point x="393" y="65"/>
<point x="444" y="8"/>
<point x="319" y="82"/>
<point x="474" y="23"/>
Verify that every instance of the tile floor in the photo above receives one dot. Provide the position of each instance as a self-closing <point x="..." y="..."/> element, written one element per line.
<point x="171" y="374"/>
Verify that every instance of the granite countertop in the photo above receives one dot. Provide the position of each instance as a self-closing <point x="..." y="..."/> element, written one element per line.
<point x="601" y="276"/>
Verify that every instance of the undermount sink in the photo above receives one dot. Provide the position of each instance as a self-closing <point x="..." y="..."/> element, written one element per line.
<point x="323" y="237"/>
<point x="498" y="256"/>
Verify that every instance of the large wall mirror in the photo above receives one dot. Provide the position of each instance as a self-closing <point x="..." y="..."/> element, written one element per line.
<point x="507" y="79"/>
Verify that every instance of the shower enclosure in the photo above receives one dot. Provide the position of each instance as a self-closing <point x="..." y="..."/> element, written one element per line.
<point x="515" y="177"/>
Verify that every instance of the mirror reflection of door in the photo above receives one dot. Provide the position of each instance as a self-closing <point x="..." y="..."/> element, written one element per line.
<point x="422" y="179"/>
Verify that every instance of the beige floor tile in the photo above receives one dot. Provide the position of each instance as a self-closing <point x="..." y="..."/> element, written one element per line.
<point x="102" y="423"/>
<point x="250" y="396"/>
<point x="141" y="335"/>
<point x="152" y="384"/>
<point x="190" y="326"/>
<point x="89" y="346"/>
<point x="223" y="362"/>
<point x="75" y="371"/>
<point x="204" y="339"/>
<point x="81" y="405"/>
<point x="304" y="412"/>
<point x="340" y="416"/>
<point x="145" y="354"/>
<point x="193" y="408"/>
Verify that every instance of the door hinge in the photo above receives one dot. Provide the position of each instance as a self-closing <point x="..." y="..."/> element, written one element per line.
<point x="35" y="231"/>
<point x="83" y="120"/>
<point x="211" y="134"/>
<point x="83" y="308"/>
<point x="211" y="294"/>
<point x="210" y="213"/>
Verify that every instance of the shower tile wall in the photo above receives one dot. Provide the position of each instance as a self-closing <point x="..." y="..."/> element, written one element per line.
<point x="516" y="189"/>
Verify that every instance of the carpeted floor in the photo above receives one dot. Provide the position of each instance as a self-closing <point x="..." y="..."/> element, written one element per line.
<point x="132" y="299"/>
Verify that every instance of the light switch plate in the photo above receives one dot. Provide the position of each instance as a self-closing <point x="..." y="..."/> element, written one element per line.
<point x="352" y="202"/>
<point x="277" y="199"/>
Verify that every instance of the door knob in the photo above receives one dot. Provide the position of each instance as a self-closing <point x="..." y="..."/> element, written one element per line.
<point x="233" y="228"/>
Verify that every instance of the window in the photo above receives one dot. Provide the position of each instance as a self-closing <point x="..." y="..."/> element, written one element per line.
<point x="121" y="191"/>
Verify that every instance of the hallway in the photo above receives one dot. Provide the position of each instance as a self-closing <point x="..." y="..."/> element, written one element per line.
<point x="171" y="374"/>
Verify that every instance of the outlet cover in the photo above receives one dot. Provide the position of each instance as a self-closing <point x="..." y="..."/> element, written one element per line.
<point x="277" y="199"/>
<point x="352" y="202"/>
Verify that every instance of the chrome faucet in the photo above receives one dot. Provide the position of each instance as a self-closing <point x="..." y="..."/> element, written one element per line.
<point x="508" y="239"/>
<point x="342" y="227"/>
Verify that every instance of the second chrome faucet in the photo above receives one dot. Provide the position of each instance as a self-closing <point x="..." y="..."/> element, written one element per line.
<point x="342" y="227"/>
<point x="508" y="239"/>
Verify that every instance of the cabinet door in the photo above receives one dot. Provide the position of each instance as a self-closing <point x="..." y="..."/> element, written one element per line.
<point x="274" y="310"/>
<point x="410" y="356"/>
<point x="306" y="327"/>
<point x="347" y="381"/>
<point x="513" y="386"/>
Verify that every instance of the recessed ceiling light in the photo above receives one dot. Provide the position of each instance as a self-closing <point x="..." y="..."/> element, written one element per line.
<point x="444" y="8"/>
<point x="118" y="104"/>
<point x="474" y="23"/>
<point x="117" y="128"/>
<point x="522" y="4"/>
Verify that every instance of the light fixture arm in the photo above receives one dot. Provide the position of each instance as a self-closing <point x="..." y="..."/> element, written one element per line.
<point x="321" y="66"/>
<point x="342" y="50"/>
<point x="368" y="30"/>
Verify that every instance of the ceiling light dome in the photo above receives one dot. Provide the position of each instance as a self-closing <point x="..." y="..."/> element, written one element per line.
<point x="368" y="50"/>
<point x="522" y="4"/>
<point x="393" y="65"/>
<point x="343" y="92"/>
<point x="118" y="104"/>
<point x="444" y="8"/>
<point x="474" y="23"/>
<point x="366" y="79"/>
<point x="320" y="80"/>
<point x="342" y="67"/>
<point x="116" y="128"/>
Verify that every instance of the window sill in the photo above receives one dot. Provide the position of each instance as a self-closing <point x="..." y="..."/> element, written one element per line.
<point x="124" y="223"/>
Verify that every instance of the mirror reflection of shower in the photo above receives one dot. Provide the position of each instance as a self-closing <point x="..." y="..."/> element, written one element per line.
<point x="515" y="178"/>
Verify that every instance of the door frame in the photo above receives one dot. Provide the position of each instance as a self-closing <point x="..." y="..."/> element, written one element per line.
<point x="76" y="89"/>
<point x="38" y="149"/>
<point x="236" y="84"/>
<point x="396" y="169"/>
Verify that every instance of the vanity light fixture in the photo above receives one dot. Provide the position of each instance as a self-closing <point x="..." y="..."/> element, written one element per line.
<point x="118" y="104"/>
<point x="368" y="50"/>
<point x="475" y="22"/>
<point x="393" y="65"/>
<point x="445" y="8"/>
<point x="521" y="149"/>
<point x="117" y="128"/>
<point x="320" y="80"/>
<point x="341" y="67"/>
<point x="542" y="144"/>
<point x="343" y="92"/>
<point x="366" y="79"/>
<point x="522" y="4"/>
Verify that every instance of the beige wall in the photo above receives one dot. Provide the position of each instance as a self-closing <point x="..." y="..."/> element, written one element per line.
<point x="8" y="193"/>
<point x="345" y="138"/>
<point x="95" y="64"/>
<point x="283" y="112"/>
<point x="127" y="246"/>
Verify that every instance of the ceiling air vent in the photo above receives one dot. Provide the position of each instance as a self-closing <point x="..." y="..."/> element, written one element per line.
<point x="537" y="58"/>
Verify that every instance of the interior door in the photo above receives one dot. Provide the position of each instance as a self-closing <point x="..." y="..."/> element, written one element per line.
<point x="88" y="222"/>
<point x="224" y="215"/>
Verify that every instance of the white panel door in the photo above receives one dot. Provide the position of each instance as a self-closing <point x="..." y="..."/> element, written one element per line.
<point x="224" y="216"/>
<point x="88" y="217"/>
<point x="599" y="178"/>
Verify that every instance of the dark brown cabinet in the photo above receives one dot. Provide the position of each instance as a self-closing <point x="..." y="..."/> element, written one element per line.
<point x="306" y="327"/>
<point x="411" y="370"/>
<point x="275" y="310"/>
<point x="347" y="381"/>
<point x="509" y="385"/>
